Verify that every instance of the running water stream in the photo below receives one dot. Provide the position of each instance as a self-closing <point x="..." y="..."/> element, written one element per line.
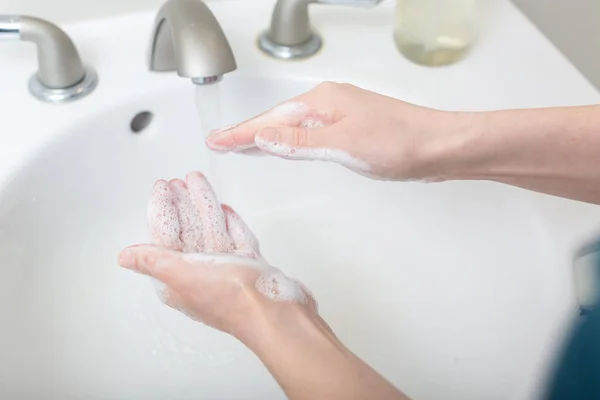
<point x="208" y="106"/>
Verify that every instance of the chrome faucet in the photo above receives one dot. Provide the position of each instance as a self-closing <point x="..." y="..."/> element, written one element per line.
<point x="61" y="76"/>
<point x="187" y="38"/>
<point x="290" y="35"/>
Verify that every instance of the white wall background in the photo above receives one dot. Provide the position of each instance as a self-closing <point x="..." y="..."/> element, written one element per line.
<point x="61" y="11"/>
<point x="573" y="25"/>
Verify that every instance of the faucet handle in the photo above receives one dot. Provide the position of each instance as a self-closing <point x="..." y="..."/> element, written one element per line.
<point x="290" y="35"/>
<point x="61" y="75"/>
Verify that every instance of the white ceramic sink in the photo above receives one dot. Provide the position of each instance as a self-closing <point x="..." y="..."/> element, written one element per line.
<point x="452" y="291"/>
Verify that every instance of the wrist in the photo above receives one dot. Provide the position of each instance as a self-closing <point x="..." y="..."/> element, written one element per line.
<point x="278" y="324"/>
<point x="308" y="361"/>
<point x="452" y="153"/>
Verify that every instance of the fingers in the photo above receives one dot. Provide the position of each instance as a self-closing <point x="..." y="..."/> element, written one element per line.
<point x="149" y="260"/>
<point x="245" y="243"/>
<point x="189" y="220"/>
<point x="163" y="220"/>
<point x="186" y="216"/>
<point x="241" y="137"/>
<point x="214" y="226"/>
<point x="167" y="267"/>
<point x="294" y="143"/>
<point x="323" y="144"/>
<point x="178" y="269"/>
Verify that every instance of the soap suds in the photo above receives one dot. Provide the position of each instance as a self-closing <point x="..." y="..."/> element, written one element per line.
<point x="312" y="123"/>
<point x="187" y="217"/>
<point x="302" y="153"/>
<point x="214" y="228"/>
<point x="189" y="220"/>
<point x="289" y="114"/>
<point x="244" y="241"/>
<point x="162" y="217"/>
<point x="272" y="283"/>
<point x="161" y="290"/>
<point x="222" y="259"/>
<point x="279" y="287"/>
<point x="286" y="114"/>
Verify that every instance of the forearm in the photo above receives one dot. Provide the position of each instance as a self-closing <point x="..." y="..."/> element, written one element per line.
<point x="552" y="150"/>
<point x="309" y="362"/>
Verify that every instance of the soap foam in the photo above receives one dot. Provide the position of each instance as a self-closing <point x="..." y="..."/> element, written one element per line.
<point x="182" y="215"/>
<point x="312" y="123"/>
<point x="272" y="283"/>
<point x="222" y="259"/>
<point x="276" y="286"/>
<point x="290" y="114"/>
<point x="161" y="290"/>
<point x="216" y="239"/>
<point x="163" y="221"/>
<point x="189" y="220"/>
<point x="286" y="114"/>
<point x="245" y="243"/>
<point x="302" y="153"/>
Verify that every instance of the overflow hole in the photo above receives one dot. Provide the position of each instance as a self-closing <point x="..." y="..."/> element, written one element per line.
<point x="141" y="121"/>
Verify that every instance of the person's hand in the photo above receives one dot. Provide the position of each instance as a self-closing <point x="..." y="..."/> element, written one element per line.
<point x="374" y="135"/>
<point x="209" y="261"/>
<point x="212" y="270"/>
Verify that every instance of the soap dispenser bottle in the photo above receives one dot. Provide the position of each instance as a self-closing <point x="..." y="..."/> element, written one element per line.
<point x="435" y="32"/>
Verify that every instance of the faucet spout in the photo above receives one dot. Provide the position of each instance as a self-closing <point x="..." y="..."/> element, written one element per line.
<point x="187" y="38"/>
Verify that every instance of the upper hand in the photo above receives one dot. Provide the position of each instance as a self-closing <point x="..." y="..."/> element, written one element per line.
<point x="373" y="135"/>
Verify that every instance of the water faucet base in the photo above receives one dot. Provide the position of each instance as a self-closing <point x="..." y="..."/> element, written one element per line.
<point x="291" y="35"/>
<point x="296" y="52"/>
<point x="207" y="80"/>
<point x="64" y="95"/>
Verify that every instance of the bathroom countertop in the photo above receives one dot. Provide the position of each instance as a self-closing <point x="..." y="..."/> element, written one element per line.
<point x="512" y="66"/>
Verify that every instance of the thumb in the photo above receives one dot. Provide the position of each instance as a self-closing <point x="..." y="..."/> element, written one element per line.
<point x="149" y="260"/>
<point x="297" y="143"/>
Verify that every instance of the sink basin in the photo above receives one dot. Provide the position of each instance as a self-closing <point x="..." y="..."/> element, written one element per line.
<point x="401" y="271"/>
<point x="455" y="290"/>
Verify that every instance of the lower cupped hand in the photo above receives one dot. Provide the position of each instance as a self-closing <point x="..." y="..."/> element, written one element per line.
<point x="209" y="261"/>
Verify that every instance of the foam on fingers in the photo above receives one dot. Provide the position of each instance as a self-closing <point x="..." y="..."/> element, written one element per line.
<point x="163" y="219"/>
<point x="290" y="152"/>
<point x="245" y="243"/>
<point x="189" y="219"/>
<point x="240" y="138"/>
<point x="214" y="226"/>
<point x="223" y="259"/>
